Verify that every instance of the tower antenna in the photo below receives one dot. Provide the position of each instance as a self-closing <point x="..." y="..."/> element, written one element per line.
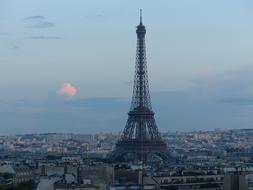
<point x="141" y="16"/>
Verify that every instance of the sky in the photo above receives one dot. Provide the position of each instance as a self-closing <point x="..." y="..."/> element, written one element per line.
<point x="68" y="66"/>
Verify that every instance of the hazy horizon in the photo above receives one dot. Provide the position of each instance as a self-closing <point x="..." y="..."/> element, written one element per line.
<point x="68" y="66"/>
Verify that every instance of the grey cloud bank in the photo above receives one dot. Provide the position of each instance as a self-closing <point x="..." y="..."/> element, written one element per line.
<point x="181" y="111"/>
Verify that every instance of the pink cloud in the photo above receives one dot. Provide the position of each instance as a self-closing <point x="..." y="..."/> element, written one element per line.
<point x="67" y="90"/>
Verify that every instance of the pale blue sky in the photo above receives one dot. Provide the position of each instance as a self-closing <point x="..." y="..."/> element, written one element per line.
<point x="202" y="49"/>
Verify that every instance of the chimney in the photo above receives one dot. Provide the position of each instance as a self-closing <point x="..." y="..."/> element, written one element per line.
<point x="65" y="169"/>
<point x="79" y="175"/>
<point x="43" y="170"/>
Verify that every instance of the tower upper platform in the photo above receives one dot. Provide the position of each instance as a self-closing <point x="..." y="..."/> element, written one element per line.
<point x="140" y="29"/>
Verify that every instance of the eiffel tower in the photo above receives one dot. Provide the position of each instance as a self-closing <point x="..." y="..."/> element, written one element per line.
<point x="140" y="138"/>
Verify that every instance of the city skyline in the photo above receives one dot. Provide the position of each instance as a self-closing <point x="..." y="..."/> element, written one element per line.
<point x="60" y="73"/>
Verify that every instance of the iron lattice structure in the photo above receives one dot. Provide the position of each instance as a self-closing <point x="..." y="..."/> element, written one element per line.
<point x="140" y="137"/>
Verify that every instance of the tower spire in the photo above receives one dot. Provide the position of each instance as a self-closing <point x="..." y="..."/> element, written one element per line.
<point x="140" y="16"/>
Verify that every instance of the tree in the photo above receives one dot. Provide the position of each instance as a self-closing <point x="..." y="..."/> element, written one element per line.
<point x="23" y="186"/>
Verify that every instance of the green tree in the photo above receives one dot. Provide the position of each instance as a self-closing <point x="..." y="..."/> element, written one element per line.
<point x="23" y="186"/>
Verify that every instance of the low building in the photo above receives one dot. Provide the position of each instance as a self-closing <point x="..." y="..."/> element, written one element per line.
<point x="60" y="186"/>
<point x="19" y="173"/>
<point x="235" y="181"/>
<point x="194" y="182"/>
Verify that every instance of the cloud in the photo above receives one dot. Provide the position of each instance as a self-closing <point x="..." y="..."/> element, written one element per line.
<point x="127" y="83"/>
<point x="100" y="16"/>
<point x="241" y="101"/>
<point x="37" y="17"/>
<point x="97" y="16"/>
<point x="234" y="87"/>
<point x="4" y="33"/>
<point x="67" y="90"/>
<point x="42" y="25"/>
<point x="38" y="22"/>
<point x="15" y="47"/>
<point x="45" y="37"/>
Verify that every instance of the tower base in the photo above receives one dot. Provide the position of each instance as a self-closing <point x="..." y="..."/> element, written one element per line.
<point x="136" y="150"/>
